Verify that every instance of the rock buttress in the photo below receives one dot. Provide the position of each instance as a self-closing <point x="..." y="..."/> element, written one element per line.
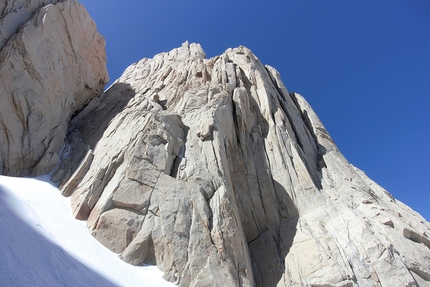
<point x="212" y="170"/>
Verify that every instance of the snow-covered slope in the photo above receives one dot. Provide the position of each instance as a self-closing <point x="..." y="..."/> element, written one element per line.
<point x="42" y="245"/>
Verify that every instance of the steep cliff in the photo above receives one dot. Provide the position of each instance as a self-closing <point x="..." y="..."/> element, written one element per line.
<point x="212" y="170"/>
<point x="52" y="60"/>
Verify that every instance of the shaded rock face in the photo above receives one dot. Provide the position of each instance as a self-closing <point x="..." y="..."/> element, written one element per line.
<point x="52" y="60"/>
<point x="212" y="170"/>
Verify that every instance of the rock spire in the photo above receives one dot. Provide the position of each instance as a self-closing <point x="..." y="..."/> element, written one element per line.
<point x="212" y="170"/>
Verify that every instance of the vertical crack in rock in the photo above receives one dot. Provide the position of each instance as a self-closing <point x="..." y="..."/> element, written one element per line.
<point x="227" y="179"/>
<point x="181" y="156"/>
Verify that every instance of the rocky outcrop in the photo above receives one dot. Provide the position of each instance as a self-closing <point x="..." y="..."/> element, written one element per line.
<point x="52" y="60"/>
<point x="15" y="13"/>
<point x="212" y="170"/>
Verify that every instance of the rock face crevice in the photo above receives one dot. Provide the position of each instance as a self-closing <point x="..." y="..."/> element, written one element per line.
<point x="212" y="170"/>
<point x="52" y="61"/>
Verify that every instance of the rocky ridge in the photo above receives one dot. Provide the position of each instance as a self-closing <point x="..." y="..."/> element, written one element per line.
<point x="212" y="170"/>
<point x="52" y="62"/>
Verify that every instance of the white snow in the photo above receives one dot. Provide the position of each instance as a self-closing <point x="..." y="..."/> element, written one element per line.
<point x="41" y="244"/>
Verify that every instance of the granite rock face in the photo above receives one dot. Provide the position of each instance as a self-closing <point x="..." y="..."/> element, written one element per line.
<point x="52" y="61"/>
<point x="212" y="170"/>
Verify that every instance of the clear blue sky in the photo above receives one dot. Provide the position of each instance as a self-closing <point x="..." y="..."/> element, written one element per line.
<point x="363" y="65"/>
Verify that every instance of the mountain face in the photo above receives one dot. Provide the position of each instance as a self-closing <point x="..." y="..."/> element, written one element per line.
<point x="208" y="168"/>
<point x="212" y="170"/>
<point x="52" y="61"/>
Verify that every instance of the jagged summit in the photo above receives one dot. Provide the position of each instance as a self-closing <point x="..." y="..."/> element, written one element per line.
<point x="211" y="169"/>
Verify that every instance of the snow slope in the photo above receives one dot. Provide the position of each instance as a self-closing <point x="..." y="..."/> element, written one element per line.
<point x="41" y="244"/>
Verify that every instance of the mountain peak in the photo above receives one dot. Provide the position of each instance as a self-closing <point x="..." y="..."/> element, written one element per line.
<point x="211" y="169"/>
<point x="207" y="167"/>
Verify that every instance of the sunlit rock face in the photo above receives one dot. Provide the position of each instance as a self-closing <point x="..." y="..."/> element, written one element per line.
<point x="52" y="60"/>
<point x="212" y="170"/>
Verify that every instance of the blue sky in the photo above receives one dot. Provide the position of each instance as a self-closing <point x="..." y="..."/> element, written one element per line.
<point x="364" y="66"/>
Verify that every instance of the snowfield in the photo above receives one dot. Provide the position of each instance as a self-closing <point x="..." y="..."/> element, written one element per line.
<point x="41" y="244"/>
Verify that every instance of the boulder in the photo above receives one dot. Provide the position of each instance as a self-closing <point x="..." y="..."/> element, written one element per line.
<point x="117" y="228"/>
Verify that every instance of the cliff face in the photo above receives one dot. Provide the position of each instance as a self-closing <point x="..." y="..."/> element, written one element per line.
<point x="212" y="170"/>
<point x="208" y="168"/>
<point x="52" y="60"/>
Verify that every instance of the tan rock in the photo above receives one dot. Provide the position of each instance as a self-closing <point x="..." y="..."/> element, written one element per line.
<point x="116" y="228"/>
<point x="238" y="181"/>
<point x="387" y="221"/>
<point x="132" y="194"/>
<point x="425" y="240"/>
<point x="412" y="235"/>
<point x="15" y="13"/>
<point x="52" y="61"/>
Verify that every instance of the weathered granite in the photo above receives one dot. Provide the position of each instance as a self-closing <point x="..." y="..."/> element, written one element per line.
<point x="236" y="180"/>
<point x="52" y="60"/>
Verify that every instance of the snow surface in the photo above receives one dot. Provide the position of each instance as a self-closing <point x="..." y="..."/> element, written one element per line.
<point x="41" y="244"/>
